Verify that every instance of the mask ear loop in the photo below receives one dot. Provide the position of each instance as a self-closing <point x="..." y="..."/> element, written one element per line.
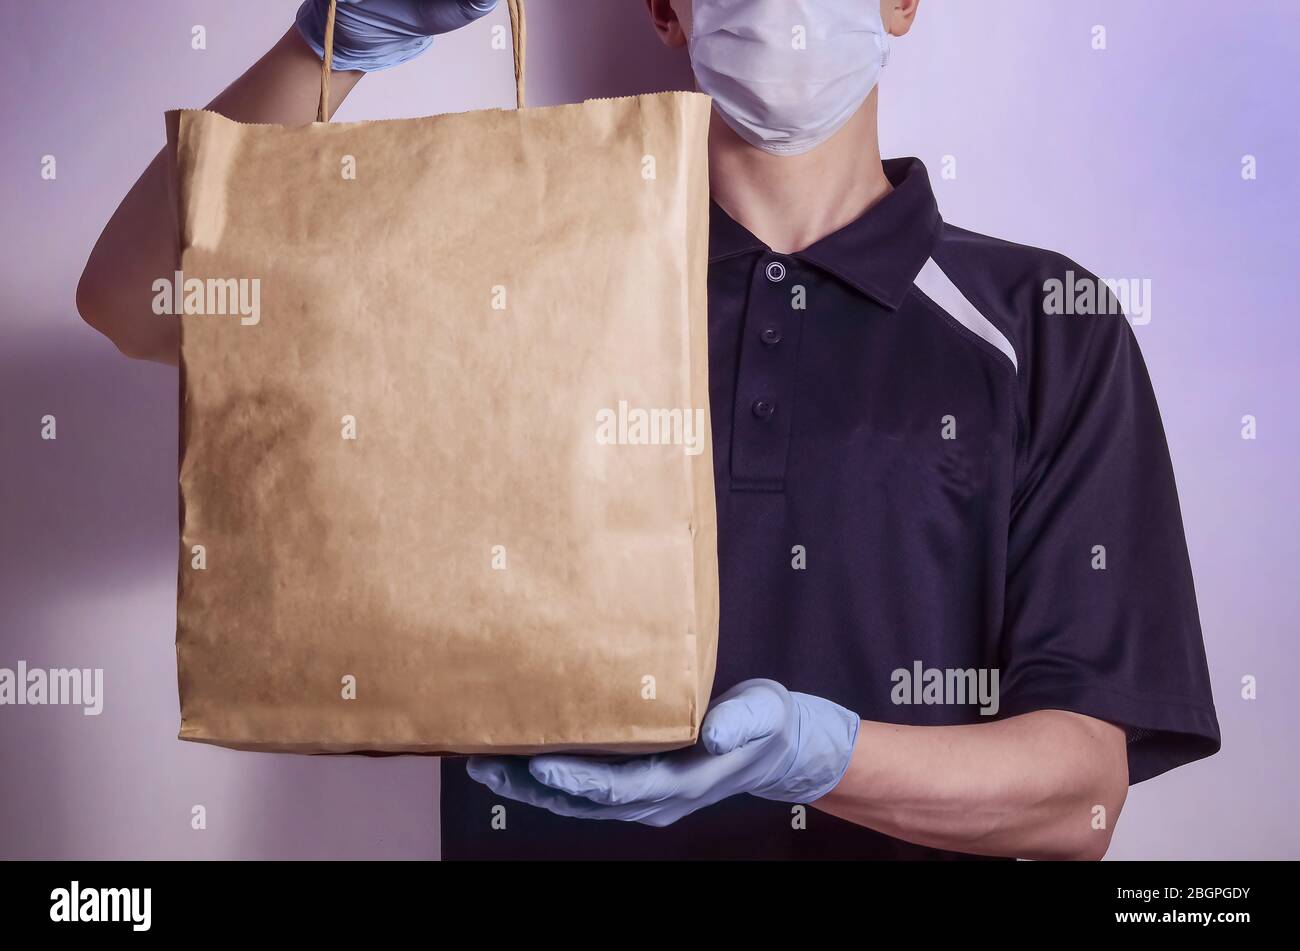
<point x="885" y="42"/>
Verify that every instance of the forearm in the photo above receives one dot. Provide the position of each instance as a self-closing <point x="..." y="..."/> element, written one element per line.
<point x="1027" y="786"/>
<point x="138" y="245"/>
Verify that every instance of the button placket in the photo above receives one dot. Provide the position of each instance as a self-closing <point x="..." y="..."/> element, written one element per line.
<point x="768" y="367"/>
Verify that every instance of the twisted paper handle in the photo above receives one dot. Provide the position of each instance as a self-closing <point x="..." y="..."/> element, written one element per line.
<point x="518" y="28"/>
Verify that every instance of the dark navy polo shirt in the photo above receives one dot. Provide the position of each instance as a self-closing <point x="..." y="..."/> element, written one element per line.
<point x="919" y="468"/>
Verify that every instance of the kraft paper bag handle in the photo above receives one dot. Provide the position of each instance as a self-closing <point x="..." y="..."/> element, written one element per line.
<point x="518" y="28"/>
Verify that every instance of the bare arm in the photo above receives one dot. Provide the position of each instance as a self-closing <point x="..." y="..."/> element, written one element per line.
<point x="1026" y="786"/>
<point x="138" y="245"/>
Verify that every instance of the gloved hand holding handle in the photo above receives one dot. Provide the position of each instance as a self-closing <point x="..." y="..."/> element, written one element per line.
<point x="370" y="35"/>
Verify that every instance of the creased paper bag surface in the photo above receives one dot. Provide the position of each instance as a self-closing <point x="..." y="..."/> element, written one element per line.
<point x="443" y="483"/>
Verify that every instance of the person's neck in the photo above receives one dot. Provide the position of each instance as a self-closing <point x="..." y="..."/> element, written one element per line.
<point x="791" y="201"/>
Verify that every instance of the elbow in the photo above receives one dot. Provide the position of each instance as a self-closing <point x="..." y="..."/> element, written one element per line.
<point x="1108" y="804"/>
<point x="1085" y="828"/>
<point x="1088" y="848"/>
<point x="1092" y="792"/>
<point x="95" y="309"/>
<point x="1066" y="844"/>
<point x="98" y="308"/>
<point x="92" y="305"/>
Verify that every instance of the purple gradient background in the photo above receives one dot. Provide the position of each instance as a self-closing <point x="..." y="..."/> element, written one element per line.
<point x="1127" y="160"/>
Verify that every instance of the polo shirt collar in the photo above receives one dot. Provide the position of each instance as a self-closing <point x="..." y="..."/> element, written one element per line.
<point x="880" y="253"/>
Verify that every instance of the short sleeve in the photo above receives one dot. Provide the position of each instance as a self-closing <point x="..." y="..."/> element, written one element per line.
<point x="1101" y="615"/>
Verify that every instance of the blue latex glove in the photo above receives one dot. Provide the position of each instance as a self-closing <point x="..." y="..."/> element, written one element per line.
<point x="377" y="34"/>
<point x="757" y="738"/>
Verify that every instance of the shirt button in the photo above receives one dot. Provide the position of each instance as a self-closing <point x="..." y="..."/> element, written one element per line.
<point x="776" y="272"/>
<point x="764" y="409"/>
<point x="770" y="336"/>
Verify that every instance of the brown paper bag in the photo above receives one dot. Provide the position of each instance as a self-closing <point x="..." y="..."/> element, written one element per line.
<point x="438" y="491"/>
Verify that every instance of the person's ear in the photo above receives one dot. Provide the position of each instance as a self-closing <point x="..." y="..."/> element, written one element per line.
<point x="898" y="15"/>
<point x="667" y="23"/>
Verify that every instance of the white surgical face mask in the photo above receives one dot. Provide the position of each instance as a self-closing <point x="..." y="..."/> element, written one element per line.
<point x="787" y="74"/>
